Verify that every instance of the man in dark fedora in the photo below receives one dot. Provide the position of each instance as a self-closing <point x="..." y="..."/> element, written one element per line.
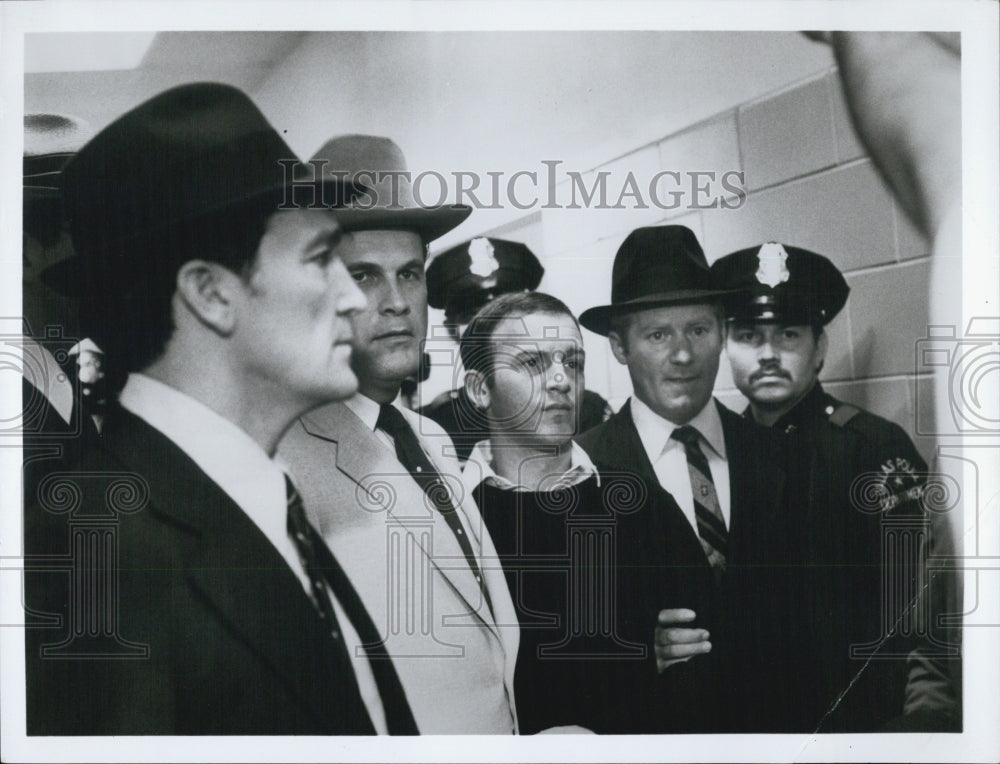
<point x="383" y="491"/>
<point x="690" y="557"/>
<point x="191" y="596"/>
<point x="860" y="534"/>
<point x="461" y="281"/>
<point x="51" y="426"/>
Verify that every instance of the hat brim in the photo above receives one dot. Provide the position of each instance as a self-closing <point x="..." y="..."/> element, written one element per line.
<point x="430" y="222"/>
<point x="786" y="316"/>
<point x="598" y="319"/>
<point x="40" y="193"/>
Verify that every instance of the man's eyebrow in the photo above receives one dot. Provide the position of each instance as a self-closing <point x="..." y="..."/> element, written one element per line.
<point x="415" y="263"/>
<point x="328" y="235"/>
<point x="318" y="239"/>
<point x="365" y="265"/>
<point x="524" y="351"/>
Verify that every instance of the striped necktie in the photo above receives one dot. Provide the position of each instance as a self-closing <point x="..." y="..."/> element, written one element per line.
<point x="411" y="455"/>
<point x="711" y="524"/>
<point x="325" y="574"/>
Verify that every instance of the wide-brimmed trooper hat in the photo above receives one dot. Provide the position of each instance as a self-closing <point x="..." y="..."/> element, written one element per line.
<point x="50" y="141"/>
<point x="379" y="166"/>
<point x="185" y="157"/>
<point x="655" y="267"/>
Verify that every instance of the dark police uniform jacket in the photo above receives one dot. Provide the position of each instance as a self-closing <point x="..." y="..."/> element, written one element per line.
<point x="856" y="535"/>
<point x="661" y="564"/>
<point x="208" y="632"/>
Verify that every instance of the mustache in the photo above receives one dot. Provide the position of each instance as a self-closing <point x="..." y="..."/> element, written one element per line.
<point x="769" y="371"/>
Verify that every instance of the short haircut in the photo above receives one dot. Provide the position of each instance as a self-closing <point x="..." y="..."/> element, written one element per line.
<point x="476" y="345"/>
<point x="134" y="321"/>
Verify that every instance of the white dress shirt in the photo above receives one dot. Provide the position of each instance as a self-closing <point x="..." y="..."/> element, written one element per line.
<point x="367" y="411"/>
<point x="479" y="468"/>
<point x="254" y="481"/>
<point x="669" y="461"/>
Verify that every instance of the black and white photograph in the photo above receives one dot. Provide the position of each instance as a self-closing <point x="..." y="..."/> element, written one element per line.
<point x="480" y="381"/>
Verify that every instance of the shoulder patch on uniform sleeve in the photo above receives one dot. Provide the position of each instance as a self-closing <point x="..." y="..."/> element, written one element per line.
<point x="843" y="414"/>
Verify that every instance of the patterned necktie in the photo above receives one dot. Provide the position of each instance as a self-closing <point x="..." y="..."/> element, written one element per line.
<point x="711" y="525"/>
<point x="413" y="458"/>
<point x="324" y="574"/>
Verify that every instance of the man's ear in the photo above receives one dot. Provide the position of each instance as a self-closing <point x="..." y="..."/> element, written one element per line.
<point x="477" y="389"/>
<point x="618" y="348"/>
<point x="819" y="357"/>
<point x="207" y="290"/>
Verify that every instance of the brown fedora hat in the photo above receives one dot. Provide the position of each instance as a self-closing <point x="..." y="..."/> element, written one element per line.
<point x="378" y="165"/>
<point x="655" y="267"/>
<point x="189" y="154"/>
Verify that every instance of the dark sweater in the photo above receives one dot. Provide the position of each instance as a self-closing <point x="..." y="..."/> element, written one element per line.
<point x="558" y="552"/>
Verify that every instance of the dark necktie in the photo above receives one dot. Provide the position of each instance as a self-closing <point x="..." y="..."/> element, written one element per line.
<point x="711" y="525"/>
<point x="413" y="458"/>
<point x="324" y="574"/>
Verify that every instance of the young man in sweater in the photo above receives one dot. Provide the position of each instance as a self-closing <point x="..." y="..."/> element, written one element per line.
<point x="546" y="509"/>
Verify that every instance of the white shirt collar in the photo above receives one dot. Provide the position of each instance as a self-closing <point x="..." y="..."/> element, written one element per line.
<point x="225" y="452"/>
<point x="655" y="431"/>
<point x="479" y="468"/>
<point x="366" y="409"/>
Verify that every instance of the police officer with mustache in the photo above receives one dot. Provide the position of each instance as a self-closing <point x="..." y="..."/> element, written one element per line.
<point x="861" y="648"/>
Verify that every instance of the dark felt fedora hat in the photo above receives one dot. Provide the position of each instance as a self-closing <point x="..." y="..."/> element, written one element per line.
<point x="779" y="283"/>
<point x="655" y="267"/>
<point x="378" y="165"/>
<point x="188" y="155"/>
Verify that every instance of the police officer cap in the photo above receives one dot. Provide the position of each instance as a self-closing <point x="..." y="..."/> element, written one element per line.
<point x="780" y="283"/>
<point x="464" y="278"/>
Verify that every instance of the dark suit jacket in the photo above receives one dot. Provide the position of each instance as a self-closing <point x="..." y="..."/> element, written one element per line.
<point x="200" y="628"/>
<point x="661" y="564"/>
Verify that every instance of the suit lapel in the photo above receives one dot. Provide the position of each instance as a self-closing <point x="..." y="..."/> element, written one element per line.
<point x="236" y="569"/>
<point x="383" y="486"/>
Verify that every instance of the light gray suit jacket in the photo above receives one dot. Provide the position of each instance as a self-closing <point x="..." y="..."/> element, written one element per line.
<point x="454" y="654"/>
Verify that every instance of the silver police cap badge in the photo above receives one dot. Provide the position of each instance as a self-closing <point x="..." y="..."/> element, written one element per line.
<point x="484" y="263"/>
<point x="771" y="268"/>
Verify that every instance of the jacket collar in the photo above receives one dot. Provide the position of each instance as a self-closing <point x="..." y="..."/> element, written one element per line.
<point x="806" y="412"/>
<point x="479" y="468"/>
<point x="372" y="465"/>
<point x="228" y="559"/>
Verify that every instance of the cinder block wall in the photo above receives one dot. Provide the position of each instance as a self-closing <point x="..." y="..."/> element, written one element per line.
<point x="809" y="183"/>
